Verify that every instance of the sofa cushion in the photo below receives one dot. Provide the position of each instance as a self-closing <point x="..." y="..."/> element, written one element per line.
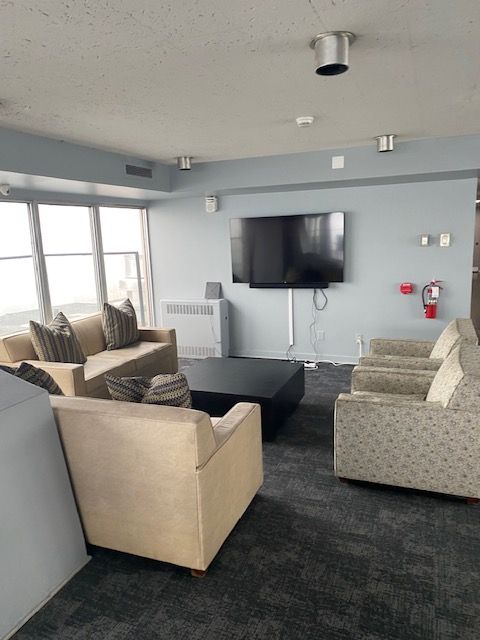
<point x="460" y="328"/>
<point x="170" y="389"/>
<point x="457" y="382"/>
<point x="56" y="342"/>
<point x="89" y="331"/>
<point x="34" y="375"/>
<point x="120" y="325"/>
<point x="146" y="356"/>
<point x="95" y="369"/>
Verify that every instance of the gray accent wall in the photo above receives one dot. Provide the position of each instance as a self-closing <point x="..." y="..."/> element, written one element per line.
<point x="383" y="225"/>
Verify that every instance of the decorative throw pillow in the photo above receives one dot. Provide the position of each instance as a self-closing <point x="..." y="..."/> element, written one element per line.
<point x="56" y="342"/>
<point x="170" y="389"/>
<point x="120" y="325"/>
<point x="36" y="376"/>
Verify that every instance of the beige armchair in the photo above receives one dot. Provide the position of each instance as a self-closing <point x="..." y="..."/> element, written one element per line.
<point x="403" y="440"/>
<point x="420" y="354"/>
<point x="160" y="482"/>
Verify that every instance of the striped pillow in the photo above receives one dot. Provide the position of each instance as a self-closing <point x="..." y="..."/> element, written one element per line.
<point x="120" y="325"/>
<point x="170" y="389"/>
<point x="56" y="342"/>
<point x="36" y="376"/>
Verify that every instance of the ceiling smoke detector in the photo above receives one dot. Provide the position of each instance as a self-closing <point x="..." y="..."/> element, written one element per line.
<point x="304" y="121"/>
<point x="385" y="142"/>
<point x="184" y="163"/>
<point x="331" y="52"/>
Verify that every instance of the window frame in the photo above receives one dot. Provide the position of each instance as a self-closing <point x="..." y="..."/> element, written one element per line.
<point x="39" y="262"/>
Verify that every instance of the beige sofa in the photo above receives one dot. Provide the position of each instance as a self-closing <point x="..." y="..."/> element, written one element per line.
<point x="156" y="352"/>
<point x="403" y="438"/>
<point x="160" y="482"/>
<point x="420" y="354"/>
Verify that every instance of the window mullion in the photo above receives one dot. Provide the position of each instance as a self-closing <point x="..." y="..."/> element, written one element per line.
<point x="148" y="267"/>
<point x="98" y="259"/>
<point x="40" y="267"/>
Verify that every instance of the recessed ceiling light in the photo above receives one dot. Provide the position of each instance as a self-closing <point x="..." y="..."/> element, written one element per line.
<point x="304" y="121"/>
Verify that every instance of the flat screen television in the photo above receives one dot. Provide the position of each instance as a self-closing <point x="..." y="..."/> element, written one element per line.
<point x="300" y="251"/>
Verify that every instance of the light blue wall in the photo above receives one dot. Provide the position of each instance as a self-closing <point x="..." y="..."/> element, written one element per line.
<point x="383" y="223"/>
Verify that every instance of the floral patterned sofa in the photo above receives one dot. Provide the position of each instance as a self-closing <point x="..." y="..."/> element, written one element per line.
<point x="421" y="430"/>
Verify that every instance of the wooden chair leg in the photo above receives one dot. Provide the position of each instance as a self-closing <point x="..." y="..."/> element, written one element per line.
<point x="198" y="573"/>
<point x="472" y="500"/>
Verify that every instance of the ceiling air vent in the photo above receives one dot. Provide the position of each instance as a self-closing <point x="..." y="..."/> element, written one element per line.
<point x="141" y="172"/>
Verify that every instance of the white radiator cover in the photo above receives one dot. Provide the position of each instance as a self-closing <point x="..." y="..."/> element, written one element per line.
<point x="201" y="326"/>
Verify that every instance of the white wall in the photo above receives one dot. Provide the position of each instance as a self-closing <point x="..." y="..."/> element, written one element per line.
<point x="383" y="223"/>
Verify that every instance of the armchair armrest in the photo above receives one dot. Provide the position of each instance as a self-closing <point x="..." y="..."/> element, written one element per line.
<point x="234" y="419"/>
<point x="415" y="348"/>
<point x="401" y="362"/>
<point x="384" y="380"/>
<point x="69" y="377"/>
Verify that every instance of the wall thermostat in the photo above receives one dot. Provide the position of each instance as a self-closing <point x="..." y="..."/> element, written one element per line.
<point x="211" y="204"/>
<point x="424" y="240"/>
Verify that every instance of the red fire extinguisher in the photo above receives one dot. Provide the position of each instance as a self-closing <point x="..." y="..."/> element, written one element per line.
<point x="430" y="296"/>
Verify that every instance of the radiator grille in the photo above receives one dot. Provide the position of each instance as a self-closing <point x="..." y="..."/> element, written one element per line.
<point x="180" y="309"/>
<point x="196" y="352"/>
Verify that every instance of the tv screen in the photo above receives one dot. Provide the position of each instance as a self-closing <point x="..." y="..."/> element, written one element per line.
<point x="288" y="251"/>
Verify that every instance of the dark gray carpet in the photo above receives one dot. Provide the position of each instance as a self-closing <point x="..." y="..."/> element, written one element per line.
<point x="311" y="559"/>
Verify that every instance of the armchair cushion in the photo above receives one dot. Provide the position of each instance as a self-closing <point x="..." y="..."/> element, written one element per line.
<point x="396" y="381"/>
<point x="401" y="362"/>
<point x="57" y="341"/>
<point x="120" y="325"/>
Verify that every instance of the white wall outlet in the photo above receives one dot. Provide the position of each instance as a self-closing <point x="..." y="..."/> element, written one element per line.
<point x="444" y="239"/>
<point x="424" y="240"/>
<point x="338" y="162"/>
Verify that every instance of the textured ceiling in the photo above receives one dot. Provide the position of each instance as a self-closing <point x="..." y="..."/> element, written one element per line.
<point x="220" y="79"/>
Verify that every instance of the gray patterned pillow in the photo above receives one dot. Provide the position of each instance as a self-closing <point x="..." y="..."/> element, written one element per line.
<point x="170" y="389"/>
<point x="120" y="325"/>
<point x="56" y="342"/>
<point x="36" y="376"/>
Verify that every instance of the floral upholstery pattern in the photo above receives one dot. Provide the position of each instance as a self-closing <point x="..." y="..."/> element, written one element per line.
<point x="401" y="362"/>
<point x="432" y="445"/>
<point x="408" y="348"/>
<point x="396" y="381"/>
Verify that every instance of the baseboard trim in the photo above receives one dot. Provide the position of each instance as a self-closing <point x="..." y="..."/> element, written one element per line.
<point x="301" y="356"/>
<point x="49" y="596"/>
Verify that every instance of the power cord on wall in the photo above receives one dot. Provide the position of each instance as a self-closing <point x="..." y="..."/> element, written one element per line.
<point x="313" y="328"/>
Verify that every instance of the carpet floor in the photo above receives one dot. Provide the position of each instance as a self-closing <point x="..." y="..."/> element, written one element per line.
<point x="312" y="558"/>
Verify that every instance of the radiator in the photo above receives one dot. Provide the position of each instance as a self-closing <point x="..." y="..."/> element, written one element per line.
<point x="201" y="326"/>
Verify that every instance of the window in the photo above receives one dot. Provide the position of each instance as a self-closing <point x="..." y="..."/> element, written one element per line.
<point x="70" y="258"/>
<point x="18" y="298"/>
<point x="67" y="247"/>
<point x="124" y="256"/>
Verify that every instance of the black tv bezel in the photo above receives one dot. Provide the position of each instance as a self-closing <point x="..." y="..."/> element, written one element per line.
<point x="288" y="285"/>
<point x="295" y="285"/>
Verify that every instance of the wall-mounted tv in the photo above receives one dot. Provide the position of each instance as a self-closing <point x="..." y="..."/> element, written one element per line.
<point x="300" y="251"/>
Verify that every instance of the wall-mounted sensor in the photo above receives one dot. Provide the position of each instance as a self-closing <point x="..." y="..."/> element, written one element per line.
<point x="184" y="163"/>
<point x="331" y="52"/>
<point x="385" y="142"/>
<point x="211" y="204"/>
<point x="5" y="189"/>
<point x="424" y="240"/>
<point x="444" y="239"/>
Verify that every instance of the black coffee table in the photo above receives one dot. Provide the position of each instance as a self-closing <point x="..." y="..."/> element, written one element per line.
<point x="217" y="384"/>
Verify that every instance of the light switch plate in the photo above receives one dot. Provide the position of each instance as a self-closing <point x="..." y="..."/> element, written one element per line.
<point x="444" y="239"/>
<point x="338" y="162"/>
<point x="424" y="240"/>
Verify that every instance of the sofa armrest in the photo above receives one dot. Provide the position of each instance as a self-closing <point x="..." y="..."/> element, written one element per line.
<point x="401" y="362"/>
<point x="69" y="377"/>
<point x="385" y="380"/>
<point x="158" y="334"/>
<point x="233" y="419"/>
<point x="415" y="348"/>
